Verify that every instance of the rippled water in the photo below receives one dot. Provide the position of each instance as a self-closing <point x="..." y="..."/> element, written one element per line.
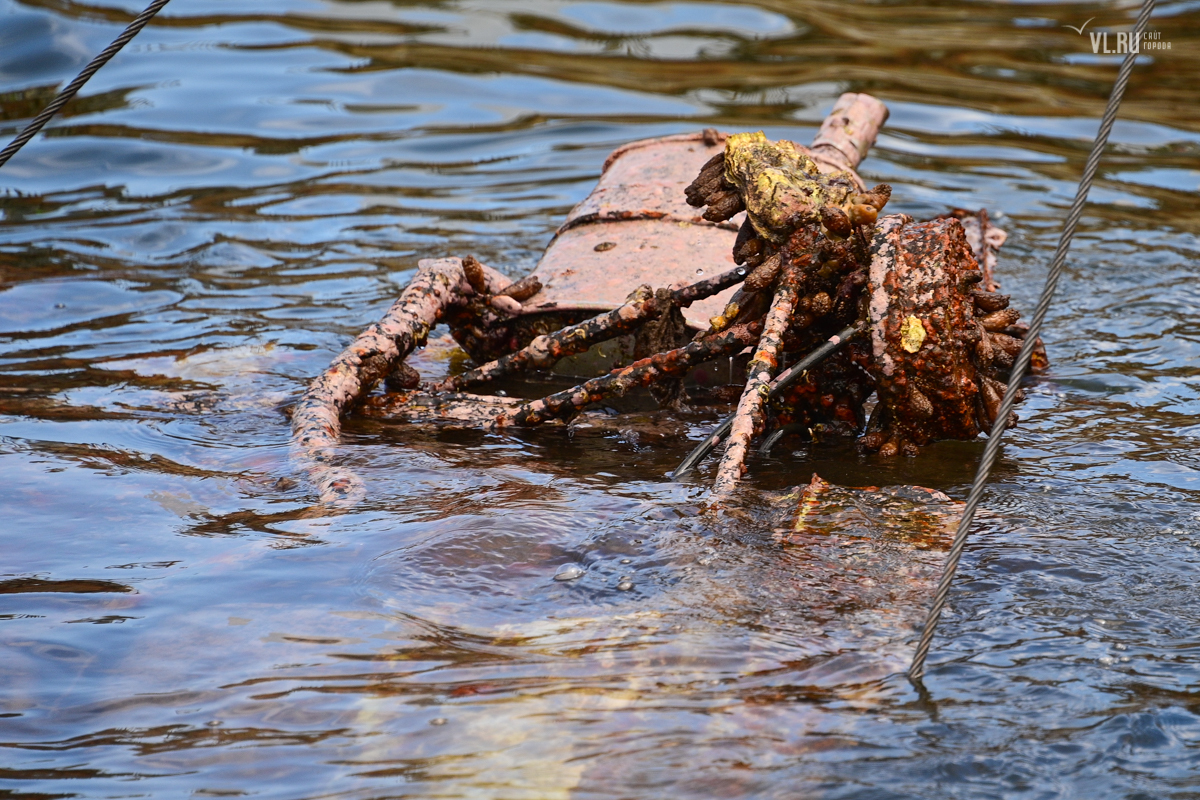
<point x="248" y="185"/>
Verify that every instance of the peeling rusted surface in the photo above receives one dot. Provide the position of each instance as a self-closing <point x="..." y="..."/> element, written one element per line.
<point x="635" y="228"/>
<point x="578" y="271"/>
<point x="646" y="179"/>
<point x="937" y="350"/>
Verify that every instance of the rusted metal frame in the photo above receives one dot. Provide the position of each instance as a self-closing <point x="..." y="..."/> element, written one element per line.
<point x="317" y="417"/>
<point x="545" y="351"/>
<point x="378" y="350"/>
<point x="750" y="417"/>
<point x="785" y="379"/>
<point x="673" y="363"/>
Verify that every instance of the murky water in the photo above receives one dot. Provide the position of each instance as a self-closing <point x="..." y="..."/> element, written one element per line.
<point x="248" y="185"/>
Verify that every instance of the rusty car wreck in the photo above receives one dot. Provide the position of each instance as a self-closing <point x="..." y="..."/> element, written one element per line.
<point x="797" y="256"/>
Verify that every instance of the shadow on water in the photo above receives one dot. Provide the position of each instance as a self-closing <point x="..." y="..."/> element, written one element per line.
<point x="243" y="189"/>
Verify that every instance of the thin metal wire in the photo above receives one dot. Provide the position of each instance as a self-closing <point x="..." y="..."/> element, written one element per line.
<point x="1021" y="365"/>
<point x="74" y="86"/>
<point x="781" y="382"/>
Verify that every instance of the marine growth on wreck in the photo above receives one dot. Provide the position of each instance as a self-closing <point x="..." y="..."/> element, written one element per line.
<point x="930" y="347"/>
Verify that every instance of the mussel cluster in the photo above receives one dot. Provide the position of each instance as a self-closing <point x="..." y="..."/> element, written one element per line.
<point x="938" y="341"/>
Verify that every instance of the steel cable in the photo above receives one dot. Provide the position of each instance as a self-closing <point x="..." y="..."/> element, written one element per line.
<point x="74" y="86"/>
<point x="1021" y="365"/>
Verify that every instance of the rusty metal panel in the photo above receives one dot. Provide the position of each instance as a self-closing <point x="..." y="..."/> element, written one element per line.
<point x="597" y="266"/>
<point x="648" y="177"/>
<point x="636" y="227"/>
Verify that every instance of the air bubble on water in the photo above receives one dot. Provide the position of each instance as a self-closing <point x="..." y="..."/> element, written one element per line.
<point x="699" y="270"/>
<point x="624" y="585"/>
<point x="626" y="560"/>
<point x="568" y="572"/>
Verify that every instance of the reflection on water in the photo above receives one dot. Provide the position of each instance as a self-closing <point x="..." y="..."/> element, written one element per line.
<point x="245" y="187"/>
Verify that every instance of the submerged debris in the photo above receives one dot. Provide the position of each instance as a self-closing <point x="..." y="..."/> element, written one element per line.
<point x="813" y="254"/>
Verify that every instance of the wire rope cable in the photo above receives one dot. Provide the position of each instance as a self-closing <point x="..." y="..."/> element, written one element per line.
<point x="1021" y="365"/>
<point x="74" y="86"/>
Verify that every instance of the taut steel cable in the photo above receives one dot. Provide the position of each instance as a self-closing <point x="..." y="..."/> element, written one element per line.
<point x="74" y="86"/>
<point x="1022" y="362"/>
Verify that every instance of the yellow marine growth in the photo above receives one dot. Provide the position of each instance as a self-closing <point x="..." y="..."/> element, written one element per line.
<point x="912" y="334"/>
<point x="781" y="187"/>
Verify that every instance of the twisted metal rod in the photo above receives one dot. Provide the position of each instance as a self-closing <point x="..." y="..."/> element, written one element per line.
<point x="74" y="86"/>
<point x="1021" y="365"/>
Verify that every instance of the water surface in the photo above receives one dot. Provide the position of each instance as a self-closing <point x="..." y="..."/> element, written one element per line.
<point x="248" y="185"/>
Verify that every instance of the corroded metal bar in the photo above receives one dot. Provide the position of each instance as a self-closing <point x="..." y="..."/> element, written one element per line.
<point x="316" y="419"/>
<point x="673" y="363"/>
<point x="848" y="132"/>
<point x="750" y="417"/>
<point x="545" y="351"/>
